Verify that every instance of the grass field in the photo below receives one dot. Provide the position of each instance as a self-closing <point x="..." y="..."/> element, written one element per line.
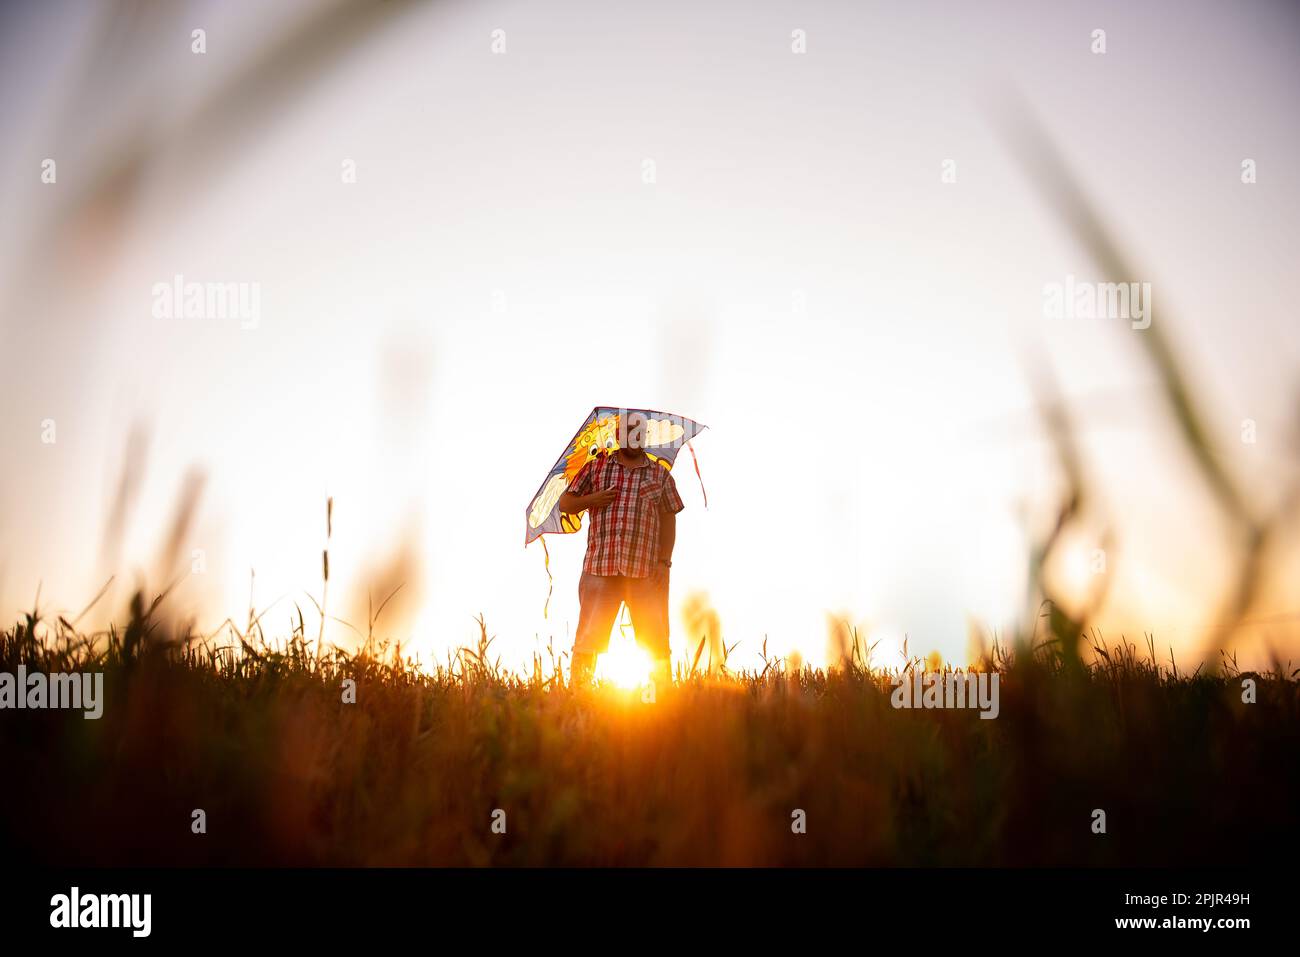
<point x="711" y="773"/>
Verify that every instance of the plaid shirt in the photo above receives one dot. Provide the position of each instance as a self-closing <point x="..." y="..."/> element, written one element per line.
<point x="624" y="535"/>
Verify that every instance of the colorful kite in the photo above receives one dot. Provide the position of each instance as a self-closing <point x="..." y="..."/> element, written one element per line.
<point x="665" y="434"/>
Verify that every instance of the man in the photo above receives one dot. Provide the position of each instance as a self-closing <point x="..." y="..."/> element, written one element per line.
<point x="633" y="503"/>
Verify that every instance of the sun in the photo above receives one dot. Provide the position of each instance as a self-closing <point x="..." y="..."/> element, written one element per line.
<point x="626" y="664"/>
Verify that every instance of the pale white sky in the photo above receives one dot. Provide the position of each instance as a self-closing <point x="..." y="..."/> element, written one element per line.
<point x="797" y="277"/>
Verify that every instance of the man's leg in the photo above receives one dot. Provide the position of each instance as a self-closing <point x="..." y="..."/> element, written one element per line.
<point x="599" y="597"/>
<point x="647" y="602"/>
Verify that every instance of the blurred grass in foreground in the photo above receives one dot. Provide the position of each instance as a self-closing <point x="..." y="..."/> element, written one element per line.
<point x="260" y="739"/>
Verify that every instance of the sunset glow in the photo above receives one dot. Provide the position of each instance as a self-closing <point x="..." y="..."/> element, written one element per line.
<point x="626" y="664"/>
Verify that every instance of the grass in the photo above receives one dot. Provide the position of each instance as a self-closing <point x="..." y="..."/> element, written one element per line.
<point x="258" y="736"/>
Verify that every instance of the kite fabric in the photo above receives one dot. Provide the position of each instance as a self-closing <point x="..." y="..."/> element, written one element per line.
<point x="665" y="434"/>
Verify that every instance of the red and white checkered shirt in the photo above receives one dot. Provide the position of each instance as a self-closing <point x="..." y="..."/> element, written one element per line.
<point x="624" y="535"/>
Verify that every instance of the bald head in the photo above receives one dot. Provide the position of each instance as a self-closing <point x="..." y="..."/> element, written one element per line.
<point x="632" y="431"/>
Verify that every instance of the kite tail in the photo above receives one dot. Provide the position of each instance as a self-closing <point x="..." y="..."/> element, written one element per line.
<point x="550" y="581"/>
<point x="698" y="475"/>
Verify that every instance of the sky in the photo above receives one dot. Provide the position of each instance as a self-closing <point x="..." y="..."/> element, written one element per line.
<point x="467" y="225"/>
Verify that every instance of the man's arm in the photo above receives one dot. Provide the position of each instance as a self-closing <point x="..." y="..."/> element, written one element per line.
<point x="575" y="498"/>
<point x="573" y="504"/>
<point x="669" y="506"/>
<point x="667" y="539"/>
<point x="667" y="535"/>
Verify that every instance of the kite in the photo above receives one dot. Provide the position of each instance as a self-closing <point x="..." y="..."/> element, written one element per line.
<point x="665" y="434"/>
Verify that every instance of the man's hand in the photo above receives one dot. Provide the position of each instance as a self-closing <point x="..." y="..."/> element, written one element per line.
<point x="659" y="573"/>
<point x="598" y="500"/>
<point x="573" y="504"/>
